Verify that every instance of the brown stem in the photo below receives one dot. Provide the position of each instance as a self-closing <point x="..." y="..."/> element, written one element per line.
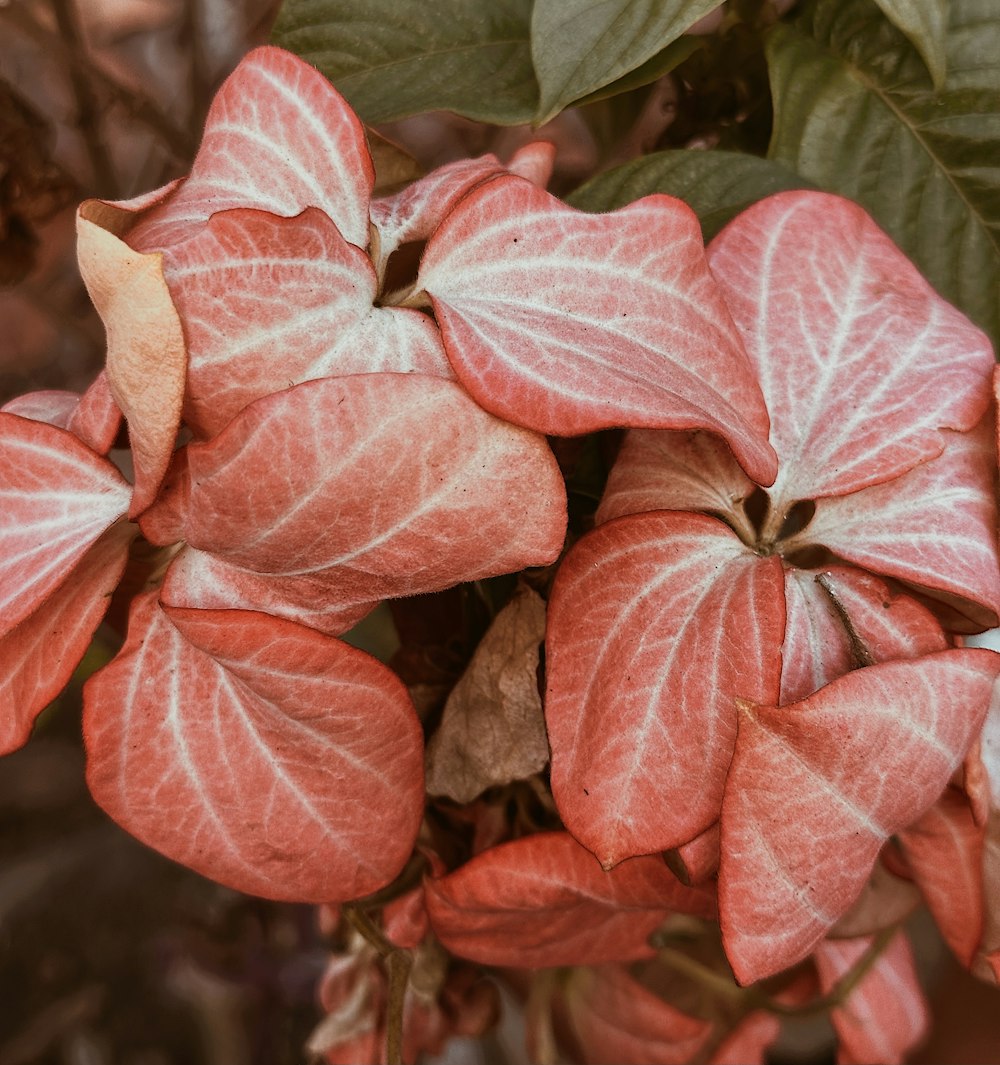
<point x="859" y="649"/>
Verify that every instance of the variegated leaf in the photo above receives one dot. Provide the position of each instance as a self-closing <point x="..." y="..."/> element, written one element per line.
<point x="260" y="753"/>
<point x="269" y="302"/>
<point x="861" y="363"/>
<point x="807" y="808"/>
<point x="543" y="900"/>
<point x="658" y="624"/>
<point x="567" y="322"/>
<point x="56" y="498"/>
<point x="278" y="138"/>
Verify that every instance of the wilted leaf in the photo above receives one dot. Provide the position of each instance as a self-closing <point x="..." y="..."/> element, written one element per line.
<point x="260" y="753"/>
<point x="544" y="900"/>
<point x="716" y="185"/>
<point x="492" y="731"/>
<point x="807" y="809"/>
<point x="568" y="322"/>
<point x="856" y="113"/>
<point x="579" y="46"/>
<point x="459" y="55"/>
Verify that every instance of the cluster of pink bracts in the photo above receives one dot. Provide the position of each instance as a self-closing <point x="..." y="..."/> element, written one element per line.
<point x="807" y="487"/>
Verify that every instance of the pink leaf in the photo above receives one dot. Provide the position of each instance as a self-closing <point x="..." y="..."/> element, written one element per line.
<point x="808" y="807"/>
<point x="268" y="302"/>
<point x="39" y="654"/>
<point x="861" y="362"/>
<point x="370" y="486"/>
<point x="248" y="747"/>
<point x="699" y="857"/>
<point x="56" y="498"/>
<point x="817" y="647"/>
<point x="147" y="359"/>
<point x="748" y="1042"/>
<point x="885" y="1016"/>
<point x="658" y="624"/>
<point x="97" y="418"/>
<point x="543" y="900"/>
<point x="944" y="849"/>
<point x="567" y="322"/>
<point x="676" y="471"/>
<point x="615" y="1018"/>
<point x="278" y="138"/>
<point x="54" y="407"/>
<point x="934" y="527"/>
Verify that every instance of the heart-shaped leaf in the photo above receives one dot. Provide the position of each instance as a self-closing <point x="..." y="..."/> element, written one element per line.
<point x="579" y="46"/>
<point x="368" y="487"/>
<point x="472" y="59"/>
<point x="268" y="302"/>
<point x="259" y="753"/>
<point x="543" y="900"/>
<point x="658" y="624"/>
<point x="855" y="112"/>
<point x="56" y="498"/>
<point x="567" y="322"/>
<point x="807" y="808"/>
<point x="278" y="138"/>
<point x="38" y="655"/>
<point x="861" y="363"/>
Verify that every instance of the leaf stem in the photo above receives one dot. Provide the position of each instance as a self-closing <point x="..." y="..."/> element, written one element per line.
<point x="859" y="649"/>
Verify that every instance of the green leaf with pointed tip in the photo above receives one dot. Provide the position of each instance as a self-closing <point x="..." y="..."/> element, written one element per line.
<point x="580" y="46"/>
<point x="855" y="111"/>
<point x="662" y="63"/>
<point x="392" y="59"/>
<point x="925" y="22"/>
<point x="716" y="185"/>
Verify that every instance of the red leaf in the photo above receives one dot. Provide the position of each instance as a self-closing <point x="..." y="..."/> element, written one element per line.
<point x="543" y="900"/>
<point x="53" y="406"/>
<point x="278" y="138"/>
<point x="368" y="487"/>
<point x="885" y="1016"/>
<point x="615" y="1018"/>
<point x="56" y="498"/>
<point x="749" y="1041"/>
<point x="567" y="322"/>
<point x="259" y="753"/>
<point x="97" y="418"/>
<point x="861" y="363"/>
<point x="944" y="849"/>
<point x="268" y="302"/>
<point x="807" y="806"/>
<point x="38" y="655"/>
<point x="934" y="527"/>
<point x="658" y="624"/>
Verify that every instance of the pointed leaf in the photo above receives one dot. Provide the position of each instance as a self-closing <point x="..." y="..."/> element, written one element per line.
<point x="925" y="22"/>
<point x="944" y="849"/>
<point x="543" y="329"/>
<point x="579" y="46"/>
<point x="807" y="806"/>
<point x="716" y="185"/>
<point x="268" y="302"/>
<point x="467" y="58"/>
<point x="885" y="1016"/>
<point x="248" y="747"/>
<point x="615" y="1018"/>
<point x="39" y="654"/>
<point x="492" y="730"/>
<point x="818" y="648"/>
<point x="658" y="624"/>
<point x="467" y="497"/>
<point x="855" y="112"/>
<point x="934" y="527"/>
<point x="543" y="900"/>
<point x="147" y="359"/>
<point x="56" y="498"/>
<point x="278" y="138"/>
<point x="862" y="365"/>
<point x="97" y="418"/>
<point x="53" y="406"/>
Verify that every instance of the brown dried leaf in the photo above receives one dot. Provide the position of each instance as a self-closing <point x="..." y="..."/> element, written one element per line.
<point x="492" y="731"/>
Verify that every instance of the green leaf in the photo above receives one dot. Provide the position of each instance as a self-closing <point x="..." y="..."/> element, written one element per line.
<point x="662" y="63"/>
<point x="392" y="59"/>
<point x="856" y="112"/>
<point x="580" y="46"/>
<point x="925" y="22"/>
<point x="716" y="185"/>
